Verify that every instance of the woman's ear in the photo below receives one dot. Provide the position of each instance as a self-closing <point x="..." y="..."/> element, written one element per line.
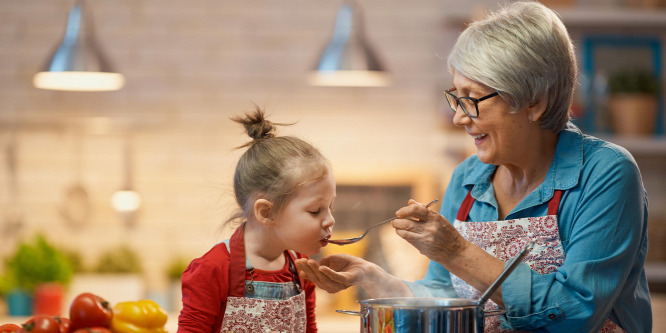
<point x="263" y="211"/>
<point x="536" y="111"/>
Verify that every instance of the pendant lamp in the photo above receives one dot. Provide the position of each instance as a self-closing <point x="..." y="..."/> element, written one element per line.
<point x="78" y="63"/>
<point x="348" y="59"/>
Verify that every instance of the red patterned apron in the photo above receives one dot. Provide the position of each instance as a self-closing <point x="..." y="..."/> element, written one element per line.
<point x="504" y="239"/>
<point x="258" y="315"/>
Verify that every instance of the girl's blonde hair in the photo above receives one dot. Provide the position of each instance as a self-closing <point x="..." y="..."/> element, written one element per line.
<point x="273" y="166"/>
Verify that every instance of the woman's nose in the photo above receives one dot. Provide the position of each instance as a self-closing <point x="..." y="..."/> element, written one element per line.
<point x="460" y="118"/>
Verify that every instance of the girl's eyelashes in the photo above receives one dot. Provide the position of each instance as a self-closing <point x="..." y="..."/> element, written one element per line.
<point x="314" y="212"/>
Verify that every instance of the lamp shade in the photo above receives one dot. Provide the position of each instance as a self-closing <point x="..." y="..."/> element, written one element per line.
<point x="78" y="63"/>
<point x="348" y="59"/>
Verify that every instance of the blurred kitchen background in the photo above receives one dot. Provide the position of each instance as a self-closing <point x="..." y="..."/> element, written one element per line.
<point x="130" y="185"/>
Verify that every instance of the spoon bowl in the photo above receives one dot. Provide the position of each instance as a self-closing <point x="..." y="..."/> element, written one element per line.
<point x="345" y="241"/>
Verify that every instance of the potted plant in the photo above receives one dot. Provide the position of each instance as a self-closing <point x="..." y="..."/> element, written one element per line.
<point x="119" y="260"/>
<point x="39" y="272"/>
<point x="116" y="275"/>
<point x="174" y="270"/>
<point x="633" y="102"/>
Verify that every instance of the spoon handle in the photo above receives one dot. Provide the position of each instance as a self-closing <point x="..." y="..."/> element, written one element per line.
<point x="393" y="218"/>
<point x="356" y="239"/>
<point x="507" y="270"/>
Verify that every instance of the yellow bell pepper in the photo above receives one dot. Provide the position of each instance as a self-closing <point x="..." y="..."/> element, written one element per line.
<point x="144" y="316"/>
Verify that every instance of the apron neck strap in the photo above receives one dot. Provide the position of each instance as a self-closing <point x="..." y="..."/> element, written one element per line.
<point x="294" y="271"/>
<point x="466" y="206"/>
<point x="463" y="212"/>
<point x="554" y="203"/>
<point x="237" y="263"/>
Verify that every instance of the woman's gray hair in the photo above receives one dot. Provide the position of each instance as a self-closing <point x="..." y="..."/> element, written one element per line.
<point x="524" y="52"/>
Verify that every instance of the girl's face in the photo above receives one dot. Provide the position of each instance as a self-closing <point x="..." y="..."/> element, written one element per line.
<point x="306" y="221"/>
<point x="499" y="135"/>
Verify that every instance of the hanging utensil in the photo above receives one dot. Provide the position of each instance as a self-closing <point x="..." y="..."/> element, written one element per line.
<point x="75" y="205"/>
<point x="13" y="219"/>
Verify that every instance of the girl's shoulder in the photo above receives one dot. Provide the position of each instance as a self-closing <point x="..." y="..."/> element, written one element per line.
<point x="217" y="255"/>
<point x="210" y="266"/>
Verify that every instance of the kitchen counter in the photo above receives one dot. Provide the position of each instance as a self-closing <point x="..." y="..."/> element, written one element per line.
<point x="334" y="323"/>
<point x="339" y="323"/>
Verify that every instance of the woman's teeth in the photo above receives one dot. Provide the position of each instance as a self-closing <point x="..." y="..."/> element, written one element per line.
<point x="478" y="136"/>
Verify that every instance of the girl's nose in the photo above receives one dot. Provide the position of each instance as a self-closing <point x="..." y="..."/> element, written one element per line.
<point x="329" y="221"/>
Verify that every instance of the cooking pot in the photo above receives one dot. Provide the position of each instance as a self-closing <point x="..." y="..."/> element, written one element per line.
<point x="423" y="315"/>
<point x="431" y="315"/>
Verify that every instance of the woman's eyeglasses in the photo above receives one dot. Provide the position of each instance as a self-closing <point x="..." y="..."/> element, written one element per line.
<point x="469" y="105"/>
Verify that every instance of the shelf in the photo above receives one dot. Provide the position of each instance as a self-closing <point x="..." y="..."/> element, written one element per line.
<point x="640" y="145"/>
<point x="655" y="271"/>
<point x="584" y="17"/>
<point x="613" y="17"/>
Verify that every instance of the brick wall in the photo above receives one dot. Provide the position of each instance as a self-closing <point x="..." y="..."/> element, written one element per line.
<point x="189" y="66"/>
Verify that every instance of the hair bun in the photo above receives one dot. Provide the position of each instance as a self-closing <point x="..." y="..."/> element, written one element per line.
<point x="256" y="125"/>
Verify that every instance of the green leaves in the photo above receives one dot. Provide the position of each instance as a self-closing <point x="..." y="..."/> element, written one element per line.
<point x="38" y="261"/>
<point x="634" y="81"/>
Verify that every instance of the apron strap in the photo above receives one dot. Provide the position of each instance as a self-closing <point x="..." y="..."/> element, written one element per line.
<point x="463" y="212"/>
<point x="237" y="267"/>
<point x="294" y="271"/>
<point x="237" y="263"/>
<point x="554" y="203"/>
<point x="466" y="206"/>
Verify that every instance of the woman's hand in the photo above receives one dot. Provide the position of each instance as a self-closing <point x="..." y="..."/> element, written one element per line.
<point x="429" y="232"/>
<point x="334" y="273"/>
<point x="341" y="271"/>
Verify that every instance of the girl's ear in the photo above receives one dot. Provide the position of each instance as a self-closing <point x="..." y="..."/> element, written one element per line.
<point x="263" y="211"/>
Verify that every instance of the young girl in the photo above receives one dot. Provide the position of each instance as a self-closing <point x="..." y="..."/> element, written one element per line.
<point x="249" y="283"/>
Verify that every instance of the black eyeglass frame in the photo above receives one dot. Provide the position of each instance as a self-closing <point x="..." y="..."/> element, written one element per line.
<point x="476" y="101"/>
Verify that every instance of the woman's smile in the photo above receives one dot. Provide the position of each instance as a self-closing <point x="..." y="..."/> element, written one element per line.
<point x="478" y="138"/>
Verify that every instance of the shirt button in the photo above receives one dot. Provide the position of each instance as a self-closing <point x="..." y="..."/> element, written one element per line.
<point x="552" y="316"/>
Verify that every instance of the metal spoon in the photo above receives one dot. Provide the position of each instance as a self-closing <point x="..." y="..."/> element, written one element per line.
<point x="505" y="273"/>
<point x="346" y="241"/>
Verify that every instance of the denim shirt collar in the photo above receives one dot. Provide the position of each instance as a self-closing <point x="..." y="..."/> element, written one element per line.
<point x="563" y="174"/>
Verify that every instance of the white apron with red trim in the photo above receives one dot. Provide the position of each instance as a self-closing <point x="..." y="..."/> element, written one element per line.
<point x="244" y="314"/>
<point x="504" y="239"/>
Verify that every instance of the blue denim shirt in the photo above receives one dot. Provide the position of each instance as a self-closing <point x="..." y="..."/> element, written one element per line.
<point x="603" y="228"/>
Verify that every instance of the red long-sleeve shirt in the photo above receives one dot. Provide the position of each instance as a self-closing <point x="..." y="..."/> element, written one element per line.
<point x="205" y="285"/>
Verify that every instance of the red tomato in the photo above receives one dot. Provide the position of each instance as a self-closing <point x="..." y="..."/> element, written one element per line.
<point x="64" y="324"/>
<point x="93" y="330"/>
<point x="89" y="310"/>
<point x="41" y="324"/>
<point x="9" y="328"/>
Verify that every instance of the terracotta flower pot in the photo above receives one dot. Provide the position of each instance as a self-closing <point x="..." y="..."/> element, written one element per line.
<point x="49" y="299"/>
<point x="633" y="114"/>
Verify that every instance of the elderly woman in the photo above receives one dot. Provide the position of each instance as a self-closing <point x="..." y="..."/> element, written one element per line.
<point x="535" y="177"/>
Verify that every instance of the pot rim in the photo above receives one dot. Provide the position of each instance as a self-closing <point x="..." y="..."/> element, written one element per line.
<point x="420" y="302"/>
